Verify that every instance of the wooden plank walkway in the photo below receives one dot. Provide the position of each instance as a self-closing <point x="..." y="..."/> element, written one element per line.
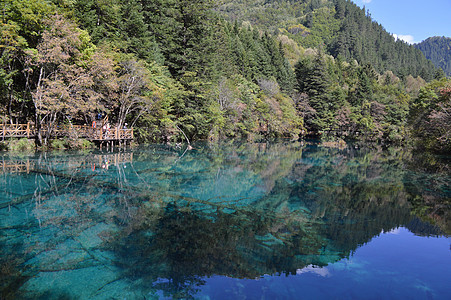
<point x="81" y="131"/>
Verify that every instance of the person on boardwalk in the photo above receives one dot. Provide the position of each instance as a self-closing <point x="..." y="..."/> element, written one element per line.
<point x="106" y="129"/>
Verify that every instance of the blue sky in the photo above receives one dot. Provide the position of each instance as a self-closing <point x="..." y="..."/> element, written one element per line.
<point x="411" y="20"/>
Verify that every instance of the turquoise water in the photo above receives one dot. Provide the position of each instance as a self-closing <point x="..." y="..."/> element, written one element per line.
<point x="286" y="220"/>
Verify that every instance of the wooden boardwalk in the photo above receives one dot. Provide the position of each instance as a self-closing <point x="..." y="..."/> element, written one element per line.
<point x="80" y="131"/>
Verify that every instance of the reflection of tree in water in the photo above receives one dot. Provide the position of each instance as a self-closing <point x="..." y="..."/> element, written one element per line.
<point x="169" y="221"/>
<point x="429" y="184"/>
<point x="319" y="208"/>
<point x="183" y="245"/>
<point x="358" y="193"/>
<point x="46" y="211"/>
<point x="11" y="270"/>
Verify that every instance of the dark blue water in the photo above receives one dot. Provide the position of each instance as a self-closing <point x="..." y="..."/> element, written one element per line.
<point x="283" y="220"/>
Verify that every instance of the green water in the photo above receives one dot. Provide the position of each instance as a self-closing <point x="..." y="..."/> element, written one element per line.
<point x="225" y="221"/>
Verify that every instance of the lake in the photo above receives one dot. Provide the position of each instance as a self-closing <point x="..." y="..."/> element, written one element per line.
<point x="282" y="220"/>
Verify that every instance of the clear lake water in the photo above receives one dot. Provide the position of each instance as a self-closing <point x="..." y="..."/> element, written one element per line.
<point x="282" y="220"/>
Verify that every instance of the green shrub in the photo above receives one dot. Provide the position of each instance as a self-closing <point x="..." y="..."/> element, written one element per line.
<point x="3" y="146"/>
<point x="84" y="144"/>
<point x="21" y="145"/>
<point x="58" y="144"/>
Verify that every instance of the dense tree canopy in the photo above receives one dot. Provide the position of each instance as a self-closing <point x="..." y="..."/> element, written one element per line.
<point x="438" y="50"/>
<point x="210" y="69"/>
<point x="340" y="26"/>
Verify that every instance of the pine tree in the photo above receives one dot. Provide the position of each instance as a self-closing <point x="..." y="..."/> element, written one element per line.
<point x="314" y="80"/>
<point x="136" y="32"/>
<point x="101" y="19"/>
<point x="182" y="29"/>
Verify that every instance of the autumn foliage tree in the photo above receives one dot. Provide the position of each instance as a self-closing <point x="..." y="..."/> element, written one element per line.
<point x="431" y="116"/>
<point x="134" y="91"/>
<point x="20" y="27"/>
<point x="65" y="77"/>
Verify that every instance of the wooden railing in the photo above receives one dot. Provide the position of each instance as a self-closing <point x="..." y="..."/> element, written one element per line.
<point x="112" y="134"/>
<point x="81" y="131"/>
<point x="17" y="130"/>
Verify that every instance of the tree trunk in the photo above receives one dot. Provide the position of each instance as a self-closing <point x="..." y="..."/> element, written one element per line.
<point x="38" y="137"/>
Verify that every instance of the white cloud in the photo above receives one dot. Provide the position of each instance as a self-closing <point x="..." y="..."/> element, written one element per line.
<point x="405" y="37"/>
<point x="366" y="1"/>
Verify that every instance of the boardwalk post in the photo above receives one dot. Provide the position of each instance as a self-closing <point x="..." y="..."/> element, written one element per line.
<point x="28" y="129"/>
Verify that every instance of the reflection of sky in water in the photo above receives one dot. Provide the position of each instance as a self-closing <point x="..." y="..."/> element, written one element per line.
<point x="397" y="266"/>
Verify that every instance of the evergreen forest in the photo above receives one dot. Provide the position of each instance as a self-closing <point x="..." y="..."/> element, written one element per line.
<point x="214" y="69"/>
<point x="438" y="50"/>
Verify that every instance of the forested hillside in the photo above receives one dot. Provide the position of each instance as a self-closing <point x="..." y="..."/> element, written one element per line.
<point x="340" y="26"/>
<point x="211" y="69"/>
<point x="438" y="50"/>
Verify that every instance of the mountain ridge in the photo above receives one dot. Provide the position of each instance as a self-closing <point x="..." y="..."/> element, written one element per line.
<point x="438" y="50"/>
<point x="340" y="26"/>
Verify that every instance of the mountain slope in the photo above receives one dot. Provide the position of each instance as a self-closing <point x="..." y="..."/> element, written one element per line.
<point x="438" y="50"/>
<point x="339" y="26"/>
